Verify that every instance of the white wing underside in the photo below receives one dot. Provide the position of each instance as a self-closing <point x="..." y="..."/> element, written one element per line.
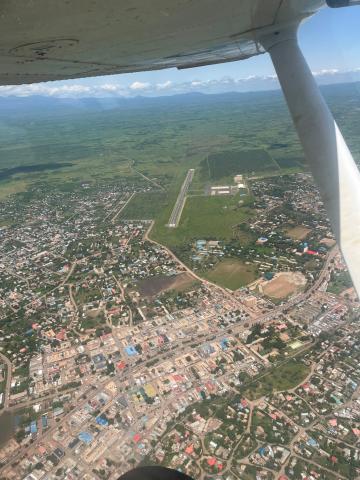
<point x="45" y="40"/>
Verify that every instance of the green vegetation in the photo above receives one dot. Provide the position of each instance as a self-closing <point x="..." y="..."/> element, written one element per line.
<point x="205" y="218"/>
<point x="145" y="206"/>
<point x="339" y="282"/>
<point x="229" y="163"/>
<point x="161" y="138"/>
<point x="92" y="322"/>
<point x="283" y="377"/>
<point x="232" y="273"/>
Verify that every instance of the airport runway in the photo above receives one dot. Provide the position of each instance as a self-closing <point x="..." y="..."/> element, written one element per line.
<point x="180" y="201"/>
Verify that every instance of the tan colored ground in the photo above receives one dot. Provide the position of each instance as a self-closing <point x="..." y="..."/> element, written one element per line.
<point x="298" y="233"/>
<point x="182" y="282"/>
<point x="284" y="284"/>
<point x="329" y="242"/>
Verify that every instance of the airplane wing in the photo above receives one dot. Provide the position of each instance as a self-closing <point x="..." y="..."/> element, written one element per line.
<point x="45" y="40"/>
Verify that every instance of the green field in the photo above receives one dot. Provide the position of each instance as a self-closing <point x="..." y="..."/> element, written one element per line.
<point x="160" y="137"/>
<point x="146" y="206"/>
<point x="204" y="218"/>
<point x="283" y="377"/>
<point x="228" y="163"/>
<point x="232" y="274"/>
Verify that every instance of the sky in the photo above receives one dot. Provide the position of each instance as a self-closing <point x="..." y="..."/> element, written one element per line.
<point x="330" y="41"/>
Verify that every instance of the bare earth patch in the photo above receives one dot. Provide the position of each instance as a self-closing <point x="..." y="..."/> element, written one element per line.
<point x="150" y="287"/>
<point x="329" y="242"/>
<point x="298" y="233"/>
<point x="284" y="284"/>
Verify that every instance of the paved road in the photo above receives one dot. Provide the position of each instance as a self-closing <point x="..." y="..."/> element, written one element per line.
<point x="8" y="380"/>
<point x="205" y="282"/>
<point x="182" y="345"/>
<point x="180" y="201"/>
<point x="148" y="179"/>
<point x="122" y="207"/>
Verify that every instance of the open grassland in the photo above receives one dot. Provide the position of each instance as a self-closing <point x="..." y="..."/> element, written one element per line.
<point x="146" y="206"/>
<point x="232" y="274"/>
<point x="161" y="138"/>
<point x="204" y="218"/>
<point x="228" y="163"/>
<point x="285" y="377"/>
<point x="9" y="187"/>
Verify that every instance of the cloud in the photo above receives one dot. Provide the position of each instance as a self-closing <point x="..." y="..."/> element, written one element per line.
<point x="48" y="89"/>
<point x="105" y="87"/>
<point x="110" y="87"/>
<point x="330" y="71"/>
<point x="164" y="86"/>
<point x="140" y="86"/>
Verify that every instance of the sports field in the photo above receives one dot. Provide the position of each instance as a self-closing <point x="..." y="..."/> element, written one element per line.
<point x="232" y="274"/>
<point x="284" y="284"/>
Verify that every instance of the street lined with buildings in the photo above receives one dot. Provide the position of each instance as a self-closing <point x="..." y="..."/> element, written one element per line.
<point x="132" y="357"/>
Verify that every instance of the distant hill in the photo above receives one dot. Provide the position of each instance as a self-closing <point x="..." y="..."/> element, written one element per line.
<point x="42" y="105"/>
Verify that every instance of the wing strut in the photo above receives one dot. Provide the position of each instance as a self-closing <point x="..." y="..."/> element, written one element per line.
<point x="329" y="158"/>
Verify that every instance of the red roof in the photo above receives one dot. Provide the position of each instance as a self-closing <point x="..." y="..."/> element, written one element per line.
<point x="211" y="461"/>
<point x="210" y="386"/>
<point x="114" y="310"/>
<point x="189" y="450"/>
<point x="137" y="437"/>
<point x="60" y="335"/>
<point x="120" y="365"/>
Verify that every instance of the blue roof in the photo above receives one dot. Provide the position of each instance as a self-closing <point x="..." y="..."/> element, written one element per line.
<point x="312" y="442"/>
<point x="102" y="421"/>
<point x="86" y="437"/>
<point x="224" y="344"/>
<point x="33" y="427"/>
<point x="131" y="350"/>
